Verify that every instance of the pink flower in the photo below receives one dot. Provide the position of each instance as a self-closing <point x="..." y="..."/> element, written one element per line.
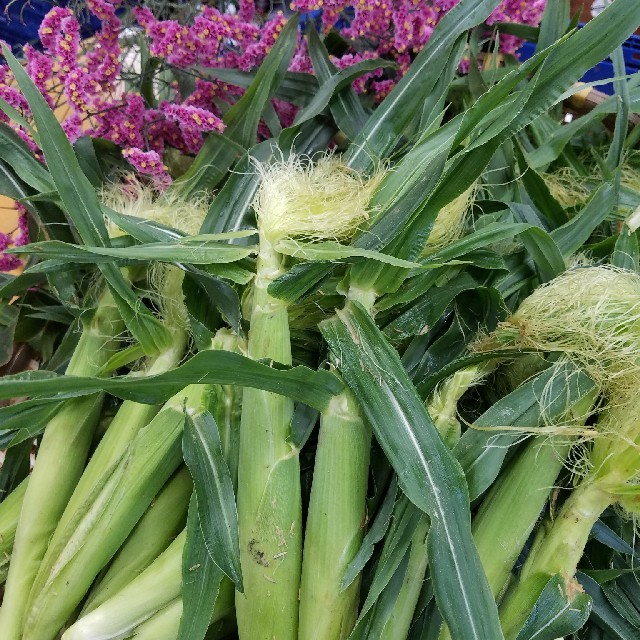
<point x="193" y="121"/>
<point x="150" y="164"/>
<point x="39" y="68"/>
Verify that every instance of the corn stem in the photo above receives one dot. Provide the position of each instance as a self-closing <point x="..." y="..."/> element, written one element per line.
<point x="162" y="522"/>
<point x="59" y="464"/>
<point x="91" y="540"/>
<point x="156" y="587"/>
<point x="269" y="501"/>
<point x="336" y="522"/>
<point x="556" y="550"/>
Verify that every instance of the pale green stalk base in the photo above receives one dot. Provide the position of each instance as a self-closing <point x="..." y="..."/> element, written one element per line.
<point x="399" y="623"/>
<point x="165" y="624"/>
<point x="269" y="501"/>
<point x="151" y="602"/>
<point x="91" y="541"/>
<point x="162" y="522"/>
<point x="336" y="522"/>
<point x="155" y="588"/>
<point x="10" y="509"/>
<point x="556" y="550"/>
<point x="59" y="464"/>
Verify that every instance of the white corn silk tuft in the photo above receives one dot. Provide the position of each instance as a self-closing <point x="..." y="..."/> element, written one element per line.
<point x="141" y="201"/>
<point x="321" y="201"/>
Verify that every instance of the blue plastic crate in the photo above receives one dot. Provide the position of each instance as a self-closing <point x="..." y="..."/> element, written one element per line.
<point x="603" y="70"/>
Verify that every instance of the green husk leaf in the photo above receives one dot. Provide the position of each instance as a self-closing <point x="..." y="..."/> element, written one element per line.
<point x="83" y="207"/>
<point x="626" y="252"/>
<point x="23" y="162"/>
<point x="548" y="396"/>
<point x="603" y="612"/>
<point x="189" y="252"/>
<point x="555" y="614"/>
<point x="336" y="82"/>
<point x="375" y="533"/>
<point x="418" y="454"/>
<point x="315" y="388"/>
<point x="201" y="580"/>
<point x="544" y="252"/>
<point x="345" y="106"/>
<point x="328" y="250"/>
<point x="406" y="519"/>
<point x="384" y="129"/>
<point x="214" y="490"/>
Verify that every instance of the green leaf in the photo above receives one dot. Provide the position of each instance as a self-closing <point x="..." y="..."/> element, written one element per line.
<point x="570" y="237"/>
<point x="556" y="613"/>
<point x="217" y="155"/>
<point x="427" y="472"/>
<point x="214" y="490"/>
<point x="315" y="388"/>
<point x="187" y="251"/>
<point x="15" y="468"/>
<point x="539" y="193"/>
<point x="553" y="145"/>
<point x="544" y="252"/>
<point x="489" y="234"/>
<point x="424" y="314"/>
<point x="201" y="580"/>
<point x="303" y="421"/>
<point x="299" y="280"/>
<point x="554" y="23"/>
<point x="375" y="533"/>
<point x="482" y="448"/>
<point x="8" y="319"/>
<point x="397" y="542"/>
<point x="221" y="295"/>
<point x="372" y="623"/>
<point x="329" y="250"/>
<point x="384" y="129"/>
<point x="13" y="114"/>
<point x="345" y="106"/>
<point x="622" y="603"/>
<point x="339" y="80"/>
<point x="604" y="614"/>
<point x="86" y="154"/>
<point x="23" y="162"/>
<point x="433" y="108"/>
<point x="524" y="31"/>
<point x="297" y="88"/>
<point x="626" y="252"/>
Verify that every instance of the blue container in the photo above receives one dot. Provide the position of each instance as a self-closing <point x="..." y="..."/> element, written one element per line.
<point x="20" y="21"/>
<point x="604" y="69"/>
